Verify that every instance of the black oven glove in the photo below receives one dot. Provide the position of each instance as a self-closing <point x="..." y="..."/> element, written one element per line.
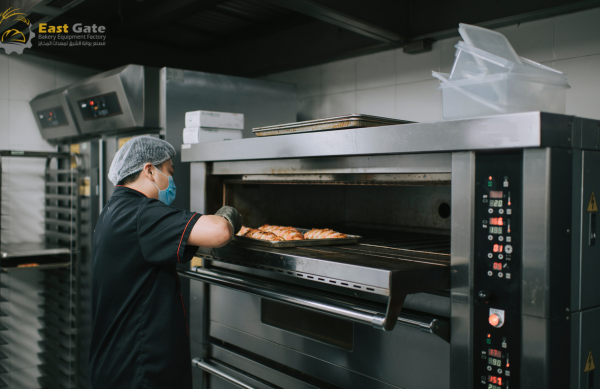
<point x="232" y="216"/>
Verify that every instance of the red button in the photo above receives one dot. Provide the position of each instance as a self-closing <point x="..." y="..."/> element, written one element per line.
<point x="494" y="320"/>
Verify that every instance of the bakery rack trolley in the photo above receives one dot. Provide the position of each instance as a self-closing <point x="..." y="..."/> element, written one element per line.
<point x="57" y="255"/>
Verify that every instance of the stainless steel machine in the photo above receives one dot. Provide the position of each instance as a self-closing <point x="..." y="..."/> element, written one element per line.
<point x="476" y="269"/>
<point x="94" y="117"/>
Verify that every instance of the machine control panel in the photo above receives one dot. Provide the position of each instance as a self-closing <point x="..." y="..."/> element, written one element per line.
<point x="97" y="107"/>
<point x="53" y="117"/>
<point x="497" y="271"/>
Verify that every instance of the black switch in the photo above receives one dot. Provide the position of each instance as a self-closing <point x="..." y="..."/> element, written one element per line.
<point x="483" y="296"/>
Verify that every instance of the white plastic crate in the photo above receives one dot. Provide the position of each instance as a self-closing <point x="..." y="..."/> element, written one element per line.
<point x="500" y="94"/>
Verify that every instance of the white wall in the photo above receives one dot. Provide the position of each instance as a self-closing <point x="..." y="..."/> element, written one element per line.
<point x="398" y="85"/>
<point x="22" y="77"/>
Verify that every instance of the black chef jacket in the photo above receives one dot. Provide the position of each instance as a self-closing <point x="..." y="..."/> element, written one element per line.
<point x="140" y="336"/>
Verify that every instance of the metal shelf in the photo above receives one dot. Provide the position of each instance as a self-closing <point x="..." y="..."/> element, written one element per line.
<point x="58" y="336"/>
<point x="20" y="250"/>
<point x="65" y="328"/>
<point x="64" y="236"/>
<point x="57" y="350"/>
<point x="59" y="298"/>
<point x="62" y="206"/>
<point x="60" y="379"/>
<point x="60" y="210"/>
<point x="33" y="154"/>
<point x="49" y="383"/>
<point x="51" y="360"/>
<point x="39" y="267"/>
<point x="57" y="309"/>
<point x="60" y="183"/>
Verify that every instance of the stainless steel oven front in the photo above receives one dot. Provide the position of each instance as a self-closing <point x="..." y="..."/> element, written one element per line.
<point x="476" y="268"/>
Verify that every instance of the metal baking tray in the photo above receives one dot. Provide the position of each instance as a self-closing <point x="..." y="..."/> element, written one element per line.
<point x="299" y="243"/>
<point x="328" y="124"/>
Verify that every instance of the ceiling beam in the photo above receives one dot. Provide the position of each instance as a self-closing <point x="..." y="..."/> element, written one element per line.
<point x="166" y="12"/>
<point x="257" y="31"/>
<point x="337" y="12"/>
<point x="437" y="32"/>
<point x="304" y="45"/>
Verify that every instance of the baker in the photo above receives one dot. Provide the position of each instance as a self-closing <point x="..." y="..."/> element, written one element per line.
<point x="140" y="337"/>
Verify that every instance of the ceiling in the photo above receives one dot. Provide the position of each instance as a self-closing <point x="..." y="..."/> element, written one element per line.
<point x="257" y="37"/>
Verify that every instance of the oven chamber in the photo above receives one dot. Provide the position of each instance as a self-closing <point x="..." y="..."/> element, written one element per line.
<point x="323" y="317"/>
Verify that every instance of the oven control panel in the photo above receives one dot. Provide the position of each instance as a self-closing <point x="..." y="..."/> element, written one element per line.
<point x="497" y="271"/>
<point x="53" y="117"/>
<point x="97" y="107"/>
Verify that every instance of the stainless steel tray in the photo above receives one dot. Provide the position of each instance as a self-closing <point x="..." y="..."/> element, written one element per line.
<point x="298" y="243"/>
<point x="327" y="124"/>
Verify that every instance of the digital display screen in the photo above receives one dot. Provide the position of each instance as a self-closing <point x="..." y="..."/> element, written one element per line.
<point x="496" y="221"/>
<point x="497" y="266"/>
<point x="498" y="248"/>
<point x="495" y="362"/>
<point x="100" y="106"/>
<point x="496" y="194"/>
<point x="492" y="386"/>
<point x="495" y="230"/>
<point x="495" y="380"/>
<point x="494" y="353"/>
<point x="495" y="203"/>
<point x="52" y="117"/>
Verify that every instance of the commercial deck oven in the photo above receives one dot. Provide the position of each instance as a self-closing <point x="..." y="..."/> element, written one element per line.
<point x="477" y="269"/>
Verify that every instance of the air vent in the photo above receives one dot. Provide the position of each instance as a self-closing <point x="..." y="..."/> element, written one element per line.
<point x="60" y="3"/>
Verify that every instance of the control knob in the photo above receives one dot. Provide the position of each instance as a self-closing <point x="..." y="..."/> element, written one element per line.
<point x="508" y="249"/>
<point x="484" y="296"/>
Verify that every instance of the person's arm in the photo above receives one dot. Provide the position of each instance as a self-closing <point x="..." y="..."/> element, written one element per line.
<point x="211" y="231"/>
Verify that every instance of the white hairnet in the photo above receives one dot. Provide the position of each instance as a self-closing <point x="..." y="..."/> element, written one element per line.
<point x="135" y="153"/>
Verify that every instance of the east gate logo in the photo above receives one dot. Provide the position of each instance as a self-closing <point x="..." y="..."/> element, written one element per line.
<point x="13" y="40"/>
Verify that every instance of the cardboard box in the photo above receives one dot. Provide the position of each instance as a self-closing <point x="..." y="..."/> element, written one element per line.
<point x="210" y="119"/>
<point x="201" y="135"/>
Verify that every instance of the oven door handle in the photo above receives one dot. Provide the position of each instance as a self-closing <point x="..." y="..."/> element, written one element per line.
<point x="319" y="302"/>
<point x="200" y="364"/>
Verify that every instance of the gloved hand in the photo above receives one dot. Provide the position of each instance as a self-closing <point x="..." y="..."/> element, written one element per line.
<point x="232" y="216"/>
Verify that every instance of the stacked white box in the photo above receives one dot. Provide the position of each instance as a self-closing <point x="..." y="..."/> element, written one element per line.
<point x="210" y="126"/>
<point x="210" y="119"/>
<point x="200" y="135"/>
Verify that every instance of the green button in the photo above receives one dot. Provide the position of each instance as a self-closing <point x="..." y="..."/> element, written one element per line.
<point x="488" y="341"/>
<point x="489" y="183"/>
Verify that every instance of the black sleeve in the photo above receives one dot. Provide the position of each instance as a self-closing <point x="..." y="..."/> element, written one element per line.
<point x="163" y="232"/>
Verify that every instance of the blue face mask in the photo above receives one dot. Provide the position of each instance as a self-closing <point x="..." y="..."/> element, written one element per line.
<point x="168" y="195"/>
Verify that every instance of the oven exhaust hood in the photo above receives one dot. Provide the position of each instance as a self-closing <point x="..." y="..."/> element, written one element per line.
<point x="121" y="99"/>
<point x="53" y="115"/>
